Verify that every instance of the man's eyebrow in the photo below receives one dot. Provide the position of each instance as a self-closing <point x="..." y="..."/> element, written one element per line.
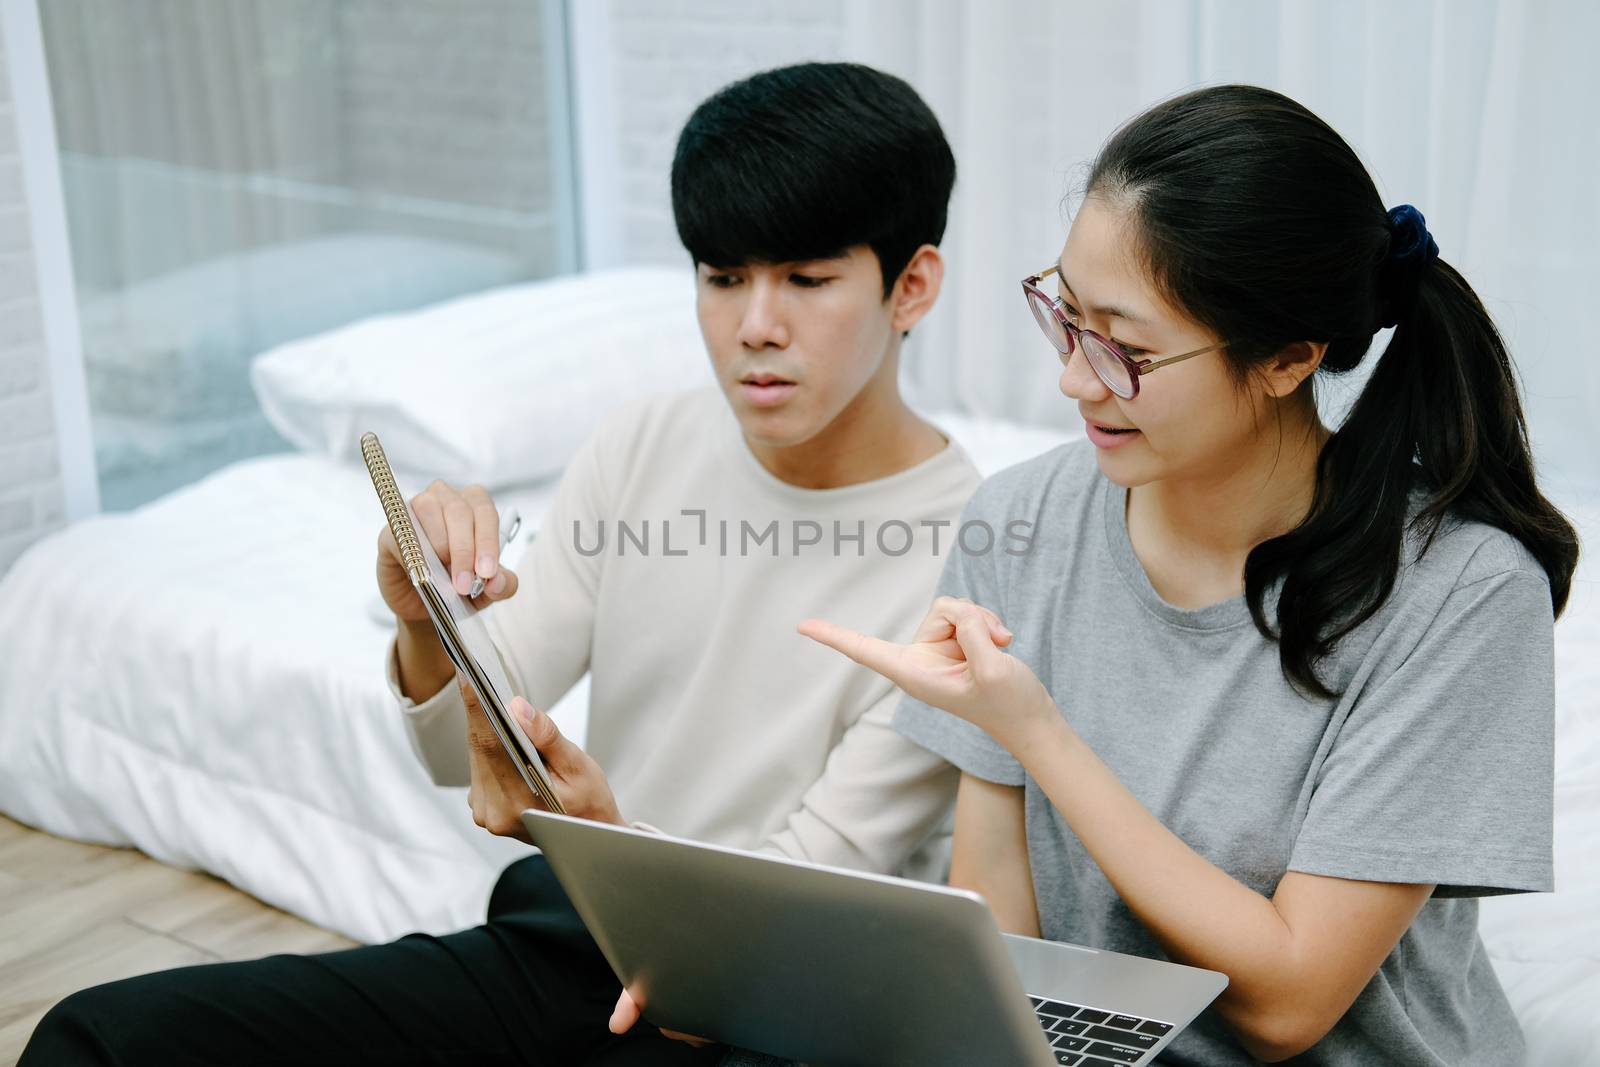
<point x="1108" y="310"/>
<point x="829" y="257"/>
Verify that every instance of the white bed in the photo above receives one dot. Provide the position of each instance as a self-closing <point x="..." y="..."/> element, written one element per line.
<point x="201" y="678"/>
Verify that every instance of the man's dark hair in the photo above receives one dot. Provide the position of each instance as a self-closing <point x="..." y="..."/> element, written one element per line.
<point x="808" y="161"/>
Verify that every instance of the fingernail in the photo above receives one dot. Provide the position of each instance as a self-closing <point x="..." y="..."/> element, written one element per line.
<point x="463" y="583"/>
<point x="486" y="566"/>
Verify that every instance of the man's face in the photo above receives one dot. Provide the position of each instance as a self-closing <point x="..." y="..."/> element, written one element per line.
<point x="793" y="344"/>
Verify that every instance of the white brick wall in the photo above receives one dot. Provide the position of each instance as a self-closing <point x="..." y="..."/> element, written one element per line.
<point x="31" y="494"/>
<point x="671" y="54"/>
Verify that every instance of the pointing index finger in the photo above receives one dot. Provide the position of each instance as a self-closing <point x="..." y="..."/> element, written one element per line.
<point x="872" y="652"/>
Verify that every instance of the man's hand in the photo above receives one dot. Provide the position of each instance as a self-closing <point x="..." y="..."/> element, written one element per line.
<point x="464" y="529"/>
<point x="626" y="1013"/>
<point x="499" y="796"/>
<point x="463" y="526"/>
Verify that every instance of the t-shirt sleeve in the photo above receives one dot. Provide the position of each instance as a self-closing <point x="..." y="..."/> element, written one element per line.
<point x="1444" y="772"/>
<point x="879" y="797"/>
<point x="977" y="577"/>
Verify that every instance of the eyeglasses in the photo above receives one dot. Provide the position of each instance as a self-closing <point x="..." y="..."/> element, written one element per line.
<point x="1120" y="371"/>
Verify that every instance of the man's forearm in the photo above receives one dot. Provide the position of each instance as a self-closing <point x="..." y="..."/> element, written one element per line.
<point x="424" y="666"/>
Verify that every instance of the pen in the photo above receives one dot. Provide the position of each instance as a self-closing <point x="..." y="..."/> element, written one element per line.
<point x="508" y="532"/>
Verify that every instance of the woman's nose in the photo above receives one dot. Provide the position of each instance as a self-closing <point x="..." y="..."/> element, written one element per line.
<point x="1078" y="379"/>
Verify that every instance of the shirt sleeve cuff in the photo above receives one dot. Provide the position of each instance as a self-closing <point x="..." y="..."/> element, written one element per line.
<point x="960" y="742"/>
<point x="1463" y="871"/>
<point x="436" y="728"/>
<point x="447" y="696"/>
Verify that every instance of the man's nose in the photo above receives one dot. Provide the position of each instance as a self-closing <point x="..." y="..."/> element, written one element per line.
<point x="764" y="324"/>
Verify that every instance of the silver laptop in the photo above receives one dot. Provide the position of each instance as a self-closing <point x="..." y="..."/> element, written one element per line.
<point x="835" y="967"/>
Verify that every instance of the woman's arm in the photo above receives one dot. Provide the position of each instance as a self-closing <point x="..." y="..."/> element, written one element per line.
<point x="1295" y="962"/>
<point x="990" y="855"/>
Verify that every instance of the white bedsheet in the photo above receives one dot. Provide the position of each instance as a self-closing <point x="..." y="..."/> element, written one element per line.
<point x="201" y="679"/>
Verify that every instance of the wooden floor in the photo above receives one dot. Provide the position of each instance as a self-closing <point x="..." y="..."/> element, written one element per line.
<point x="74" y="915"/>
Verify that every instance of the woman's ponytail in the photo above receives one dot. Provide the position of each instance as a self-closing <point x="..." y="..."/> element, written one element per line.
<point x="1440" y="414"/>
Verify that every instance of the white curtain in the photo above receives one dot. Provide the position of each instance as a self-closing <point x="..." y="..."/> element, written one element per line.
<point x="1480" y="113"/>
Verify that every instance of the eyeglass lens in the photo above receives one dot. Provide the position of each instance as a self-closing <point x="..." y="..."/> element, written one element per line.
<point x="1108" y="367"/>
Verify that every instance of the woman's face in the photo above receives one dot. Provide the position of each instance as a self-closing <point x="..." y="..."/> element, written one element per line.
<point x="1189" y="419"/>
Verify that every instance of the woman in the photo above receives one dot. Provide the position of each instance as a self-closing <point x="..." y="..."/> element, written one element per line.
<point x="1279" y="698"/>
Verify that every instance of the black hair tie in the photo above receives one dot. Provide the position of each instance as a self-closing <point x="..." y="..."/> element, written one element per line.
<point x="1411" y="249"/>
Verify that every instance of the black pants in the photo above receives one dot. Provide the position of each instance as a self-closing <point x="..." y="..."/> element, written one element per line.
<point x="527" y="988"/>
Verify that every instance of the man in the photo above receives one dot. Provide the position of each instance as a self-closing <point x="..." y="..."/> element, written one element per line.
<point x="811" y="199"/>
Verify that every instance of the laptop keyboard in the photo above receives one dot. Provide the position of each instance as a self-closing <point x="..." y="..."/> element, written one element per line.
<point x="1088" y="1037"/>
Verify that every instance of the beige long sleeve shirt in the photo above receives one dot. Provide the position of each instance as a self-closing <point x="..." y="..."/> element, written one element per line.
<point x="674" y="567"/>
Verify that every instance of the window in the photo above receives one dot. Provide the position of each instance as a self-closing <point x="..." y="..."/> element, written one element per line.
<point x="241" y="174"/>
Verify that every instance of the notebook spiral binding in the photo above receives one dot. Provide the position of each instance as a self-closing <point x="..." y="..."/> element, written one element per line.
<point x="394" y="505"/>
<point x="405" y="534"/>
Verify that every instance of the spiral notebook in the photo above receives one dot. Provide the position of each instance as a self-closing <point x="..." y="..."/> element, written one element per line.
<point x="460" y="630"/>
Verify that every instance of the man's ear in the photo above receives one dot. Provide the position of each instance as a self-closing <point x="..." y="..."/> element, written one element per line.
<point x="1291" y="365"/>
<point x="916" y="289"/>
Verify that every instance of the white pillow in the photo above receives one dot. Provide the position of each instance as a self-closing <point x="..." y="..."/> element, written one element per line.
<point x="498" y="388"/>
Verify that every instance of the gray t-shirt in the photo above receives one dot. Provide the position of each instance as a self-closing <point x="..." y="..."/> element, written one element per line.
<point x="1434" y="766"/>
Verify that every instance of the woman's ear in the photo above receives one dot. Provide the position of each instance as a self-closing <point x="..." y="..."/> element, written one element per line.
<point x="917" y="288"/>
<point x="1291" y="365"/>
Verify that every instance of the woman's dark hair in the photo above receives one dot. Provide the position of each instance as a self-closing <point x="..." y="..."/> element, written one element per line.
<point x="1258" y="220"/>
<point x="808" y="161"/>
